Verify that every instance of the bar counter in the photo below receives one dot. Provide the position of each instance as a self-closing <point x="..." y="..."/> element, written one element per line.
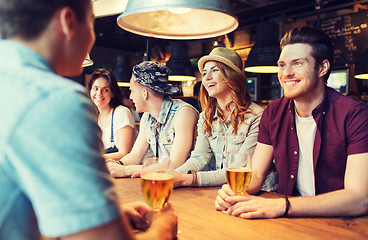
<point x="199" y="220"/>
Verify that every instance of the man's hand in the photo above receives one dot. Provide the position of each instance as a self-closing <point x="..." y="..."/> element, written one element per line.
<point x="220" y="203"/>
<point x="157" y="225"/>
<point x="166" y="220"/>
<point x="248" y="206"/>
<point x="164" y="225"/>
<point x="137" y="214"/>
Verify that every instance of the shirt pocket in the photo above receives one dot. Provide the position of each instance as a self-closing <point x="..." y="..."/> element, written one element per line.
<point x="151" y="139"/>
<point x="167" y="138"/>
<point x="213" y="141"/>
<point x="237" y="141"/>
<point x="213" y="137"/>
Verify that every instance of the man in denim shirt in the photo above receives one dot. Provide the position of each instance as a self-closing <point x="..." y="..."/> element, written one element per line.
<point x="53" y="178"/>
<point x="317" y="136"/>
<point x="167" y="126"/>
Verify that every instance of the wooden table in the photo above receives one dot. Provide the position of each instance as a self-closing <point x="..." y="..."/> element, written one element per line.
<point x="198" y="218"/>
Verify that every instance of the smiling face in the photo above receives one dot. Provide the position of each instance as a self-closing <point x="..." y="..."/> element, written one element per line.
<point x="101" y="94"/>
<point x="297" y="73"/>
<point x="213" y="81"/>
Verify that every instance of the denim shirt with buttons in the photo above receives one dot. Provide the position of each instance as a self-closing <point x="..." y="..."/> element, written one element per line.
<point x="162" y="130"/>
<point x="208" y="157"/>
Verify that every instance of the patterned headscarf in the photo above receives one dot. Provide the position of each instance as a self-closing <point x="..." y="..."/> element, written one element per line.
<point x="155" y="76"/>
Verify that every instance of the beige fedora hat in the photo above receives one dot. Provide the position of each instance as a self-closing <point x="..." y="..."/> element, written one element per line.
<point x="226" y="56"/>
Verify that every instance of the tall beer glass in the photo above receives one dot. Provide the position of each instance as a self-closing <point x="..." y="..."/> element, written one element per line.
<point x="157" y="181"/>
<point x="238" y="168"/>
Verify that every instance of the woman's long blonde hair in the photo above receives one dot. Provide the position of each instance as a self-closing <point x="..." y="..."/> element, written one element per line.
<point x="240" y="97"/>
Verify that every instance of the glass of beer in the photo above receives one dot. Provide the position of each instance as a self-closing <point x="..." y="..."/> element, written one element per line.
<point x="238" y="168"/>
<point x="157" y="181"/>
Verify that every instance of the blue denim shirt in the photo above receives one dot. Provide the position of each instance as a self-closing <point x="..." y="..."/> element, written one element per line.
<point x="162" y="129"/>
<point x="208" y="156"/>
<point x="53" y="178"/>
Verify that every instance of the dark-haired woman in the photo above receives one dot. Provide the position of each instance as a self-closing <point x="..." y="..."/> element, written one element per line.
<point x="115" y="120"/>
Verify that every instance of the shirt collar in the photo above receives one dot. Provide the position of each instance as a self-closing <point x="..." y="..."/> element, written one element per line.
<point x="215" y="117"/>
<point x="19" y="54"/>
<point x="321" y="108"/>
<point x="165" y="110"/>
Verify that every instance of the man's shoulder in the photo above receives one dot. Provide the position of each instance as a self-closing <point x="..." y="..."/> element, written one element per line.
<point x="29" y="90"/>
<point x="60" y="91"/>
<point x="181" y="105"/>
<point x="256" y="108"/>
<point x="278" y="105"/>
<point x="346" y="103"/>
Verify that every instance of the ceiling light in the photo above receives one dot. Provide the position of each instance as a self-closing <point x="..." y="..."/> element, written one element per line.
<point x="264" y="54"/>
<point x="102" y="8"/>
<point x="122" y="71"/>
<point x="159" y="18"/>
<point x="87" y="61"/>
<point x="361" y="71"/>
<point x="180" y="67"/>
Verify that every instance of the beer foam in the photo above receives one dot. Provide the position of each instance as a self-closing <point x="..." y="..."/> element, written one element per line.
<point x="157" y="176"/>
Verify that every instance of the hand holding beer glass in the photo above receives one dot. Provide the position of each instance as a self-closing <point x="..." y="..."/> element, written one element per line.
<point x="238" y="168"/>
<point x="157" y="181"/>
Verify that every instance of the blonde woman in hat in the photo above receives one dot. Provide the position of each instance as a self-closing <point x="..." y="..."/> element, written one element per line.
<point x="227" y="111"/>
<point x="167" y="126"/>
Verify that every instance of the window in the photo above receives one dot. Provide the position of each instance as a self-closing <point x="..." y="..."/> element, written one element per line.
<point x="339" y="80"/>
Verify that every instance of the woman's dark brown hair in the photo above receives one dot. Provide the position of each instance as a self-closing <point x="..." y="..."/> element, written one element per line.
<point x="117" y="98"/>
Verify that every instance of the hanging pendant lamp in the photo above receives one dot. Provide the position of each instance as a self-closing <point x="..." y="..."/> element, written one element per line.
<point x="264" y="54"/>
<point x="180" y="67"/>
<point x="87" y="61"/>
<point x="361" y="71"/>
<point x="103" y="8"/>
<point x="178" y="19"/>
<point x="122" y="71"/>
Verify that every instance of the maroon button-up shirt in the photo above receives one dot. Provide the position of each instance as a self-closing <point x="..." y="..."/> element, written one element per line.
<point x="342" y="130"/>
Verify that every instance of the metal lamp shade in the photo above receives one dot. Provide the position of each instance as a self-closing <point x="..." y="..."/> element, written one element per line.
<point x="180" y="67"/>
<point x="122" y="71"/>
<point x="87" y="61"/>
<point x="264" y="54"/>
<point x="102" y="8"/>
<point x="361" y="71"/>
<point x="178" y="19"/>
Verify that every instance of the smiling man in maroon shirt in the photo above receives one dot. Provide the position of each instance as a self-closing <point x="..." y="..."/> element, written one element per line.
<point x="317" y="137"/>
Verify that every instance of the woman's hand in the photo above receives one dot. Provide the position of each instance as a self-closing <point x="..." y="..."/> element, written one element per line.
<point x="182" y="180"/>
<point x="115" y="169"/>
<point x="136" y="175"/>
<point x="109" y="160"/>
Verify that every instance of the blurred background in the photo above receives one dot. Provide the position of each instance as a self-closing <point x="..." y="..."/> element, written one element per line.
<point x="262" y="23"/>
